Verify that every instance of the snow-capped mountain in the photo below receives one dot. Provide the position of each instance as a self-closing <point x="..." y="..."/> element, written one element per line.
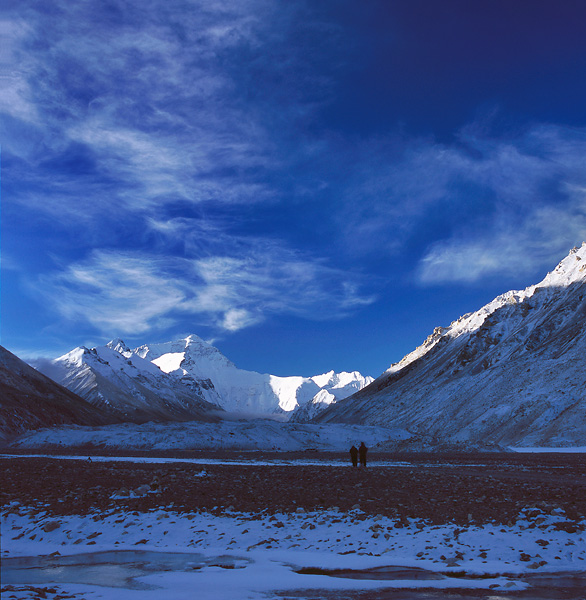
<point x="187" y="379"/>
<point x="120" y="382"/>
<point x="241" y="391"/>
<point x="29" y="400"/>
<point x="333" y="387"/>
<point x="513" y="372"/>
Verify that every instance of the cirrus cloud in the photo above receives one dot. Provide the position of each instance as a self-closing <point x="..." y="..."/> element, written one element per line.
<point x="508" y="249"/>
<point x="486" y="206"/>
<point x="130" y="292"/>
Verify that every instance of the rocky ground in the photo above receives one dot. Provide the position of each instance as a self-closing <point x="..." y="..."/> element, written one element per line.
<point x="459" y="489"/>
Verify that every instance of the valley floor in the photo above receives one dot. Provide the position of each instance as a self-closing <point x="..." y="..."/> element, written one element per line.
<point x="249" y="526"/>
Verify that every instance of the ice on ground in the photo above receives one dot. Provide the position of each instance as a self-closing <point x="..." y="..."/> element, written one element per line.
<point x="543" y="450"/>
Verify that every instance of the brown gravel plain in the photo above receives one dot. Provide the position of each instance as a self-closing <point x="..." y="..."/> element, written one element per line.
<point x="462" y="489"/>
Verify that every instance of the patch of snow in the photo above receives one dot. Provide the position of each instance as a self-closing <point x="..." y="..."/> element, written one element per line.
<point x="557" y="450"/>
<point x="169" y="362"/>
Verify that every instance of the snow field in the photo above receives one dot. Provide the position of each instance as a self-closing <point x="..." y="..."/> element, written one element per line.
<point x="276" y="544"/>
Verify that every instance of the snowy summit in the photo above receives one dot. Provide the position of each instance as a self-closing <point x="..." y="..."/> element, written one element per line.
<point x="189" y="378"/>
<point x="238" y="390"/>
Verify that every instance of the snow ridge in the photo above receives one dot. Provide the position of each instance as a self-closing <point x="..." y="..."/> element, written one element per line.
<point x="124" y="384"/>
<point x="571" y="270"/>
<point x="241" y="391"/>
<point x="512" y="373"/>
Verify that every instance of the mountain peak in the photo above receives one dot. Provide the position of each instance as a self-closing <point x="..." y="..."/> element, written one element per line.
<point x="30" y="400"/>
<point x="118" y="345"/>
<point x="188" y="353"/>
<point x="75" y="356"/>
<point x="569" y="270"/>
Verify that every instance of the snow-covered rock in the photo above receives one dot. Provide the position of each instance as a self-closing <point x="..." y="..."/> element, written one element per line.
<point x="241" y="391"/>
<point x="29" y="400"/>
<point x="122" y="383"/>
<point x="309" y="410"/>
<point x="512" y="373"/>
<point x="187" y="379"/>
<point x="334" y="387"/>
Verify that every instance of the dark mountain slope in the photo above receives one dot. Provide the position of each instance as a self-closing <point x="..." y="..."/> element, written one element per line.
<point x="30" y="400"/>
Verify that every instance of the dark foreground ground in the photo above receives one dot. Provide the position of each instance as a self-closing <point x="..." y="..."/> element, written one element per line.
<point x="459" y="488"/>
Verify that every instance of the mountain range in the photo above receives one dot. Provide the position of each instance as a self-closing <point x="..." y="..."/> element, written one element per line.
<point x="188" y="379"/>
<point x="511" y="373"/>
<point x="123" y="384"/>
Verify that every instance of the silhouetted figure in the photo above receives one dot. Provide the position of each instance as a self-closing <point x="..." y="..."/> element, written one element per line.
<point x="362" y="452"/>
<point x="354" y="455"/>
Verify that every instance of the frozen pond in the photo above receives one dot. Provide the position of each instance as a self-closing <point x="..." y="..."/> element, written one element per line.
<point x="119" y="568"/>
<point x="125" y="568"/>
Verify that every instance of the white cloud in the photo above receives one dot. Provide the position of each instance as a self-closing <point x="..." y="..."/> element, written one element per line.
<point x="156" y="104"/>
<point x="541" y="238"/>
<point x="238" y="318"/>
<point x="483" y="207"/>
<point x="126" y="292"/>
<point x="15" y="98"/>
<point x="114" y="292"/>
<point x="148" y="99"/>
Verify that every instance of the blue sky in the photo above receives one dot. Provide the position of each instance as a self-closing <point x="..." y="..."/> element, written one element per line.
<point x="311" y="185"/>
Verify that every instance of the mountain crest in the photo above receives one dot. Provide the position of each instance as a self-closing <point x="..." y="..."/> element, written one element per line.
<point x="571" y="270"/>
<point x="513" y="372"/>
<point x="119" y="346"/>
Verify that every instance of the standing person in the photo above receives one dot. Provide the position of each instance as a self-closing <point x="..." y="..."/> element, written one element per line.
<point x="362" y="452"/>
<point x="354" y="455"/>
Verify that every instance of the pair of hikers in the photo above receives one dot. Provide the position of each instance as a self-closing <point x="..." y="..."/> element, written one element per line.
<point x="355" y="453"/>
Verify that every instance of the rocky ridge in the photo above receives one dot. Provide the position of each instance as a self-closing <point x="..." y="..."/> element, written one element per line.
<point x="511" y="373"/>
<point x="30" y="400"/>
<point x="121" y="383"/>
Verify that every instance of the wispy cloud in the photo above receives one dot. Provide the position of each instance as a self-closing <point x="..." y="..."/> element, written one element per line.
<point x="540" y="239"/>
<point x="144" y="132"/>
<point x="123" y="292"/>
<point x="15" y="96"/>
<point x="484" y="205"/>
<point x="134" y="109"/>
<point x="115" y="292"/>
<point x="143" y="96"/>
<point x="160" y="100"/>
